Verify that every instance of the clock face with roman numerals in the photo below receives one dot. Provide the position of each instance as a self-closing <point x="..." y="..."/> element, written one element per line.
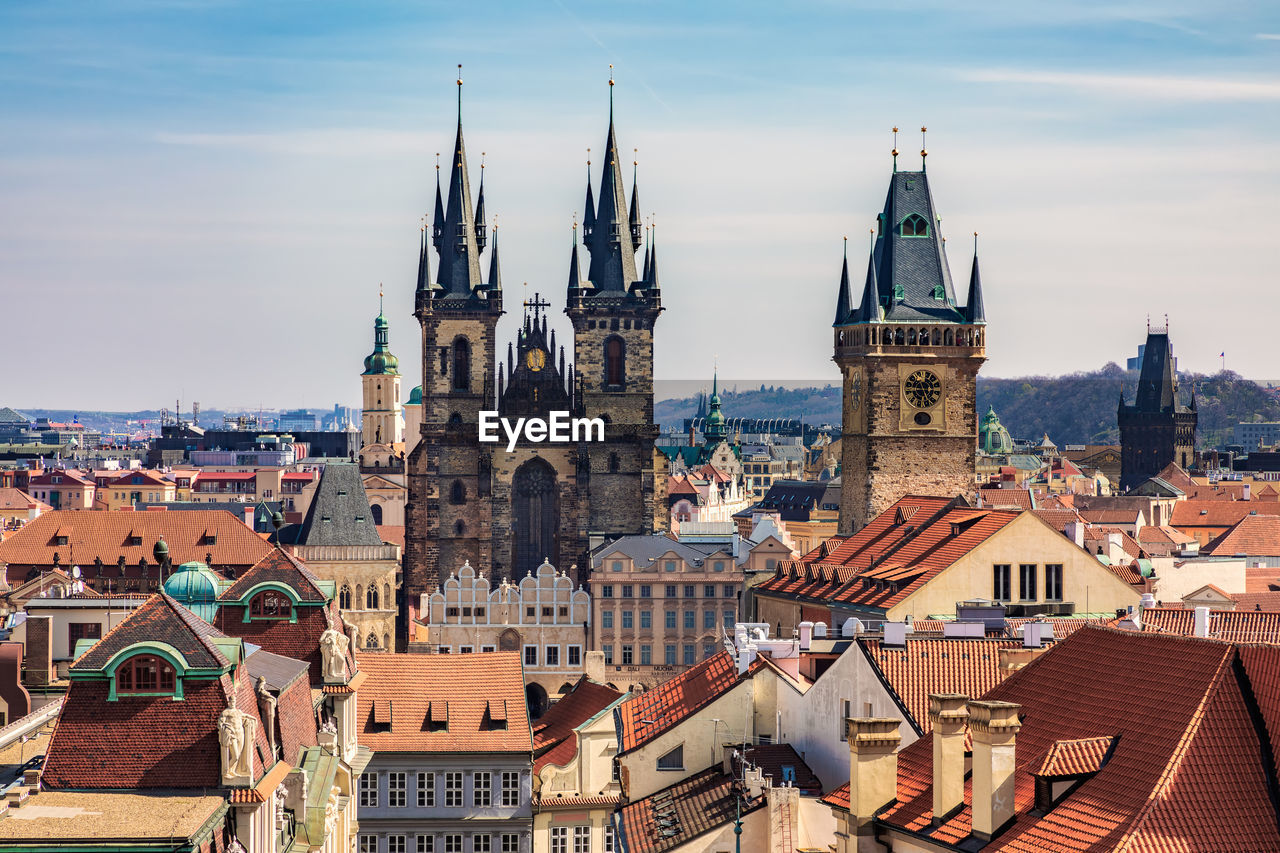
<point x="923" y="389"/>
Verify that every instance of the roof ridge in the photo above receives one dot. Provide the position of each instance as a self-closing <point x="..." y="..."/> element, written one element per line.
<point x="198" y="627"/>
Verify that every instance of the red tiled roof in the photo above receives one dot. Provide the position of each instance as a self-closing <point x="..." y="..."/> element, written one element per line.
<point x="160" y="619"/>
<point x="1074" y="757"/>
<point x="1058" y="519"/>
<point x="692" y="806"/>
<point x="1252" y="536"/>
<point x="772" y="758"/>
<point x="1238" y="626"/>
<point x="1202" y="513"/>
<point x="1257" y="600"/>
<point x="466" y="692"/>
<point x="935" y="665"/>
<point x="1184" y="773"/>
<point x="1110" y="516"/>
<point x="1174" y="475"/>
<point x="554" y="741"/>
<point x="16" y="499"/>
<point x="673" y="701"/>
<point x="1006" y="498"/>
<point x="392" y="534"/>
<point x="280" y="567"/>
<point x="680" y="485"/>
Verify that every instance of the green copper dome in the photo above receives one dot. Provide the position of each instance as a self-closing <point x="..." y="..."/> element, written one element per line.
<point x="415" y="397"/>
<point x="715" y="428"/>
<point x="195" y="586"/>
<point x="381" y="361"/>
<point x="993" y="438"/>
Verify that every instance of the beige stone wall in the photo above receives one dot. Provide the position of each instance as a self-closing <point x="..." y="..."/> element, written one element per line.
<point x="355" y="569"/>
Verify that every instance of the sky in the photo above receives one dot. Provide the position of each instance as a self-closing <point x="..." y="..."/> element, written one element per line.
<point x="200" y="199"/>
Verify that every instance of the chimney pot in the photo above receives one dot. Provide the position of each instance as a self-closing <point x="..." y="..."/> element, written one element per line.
<point x="948" y="713"/>
<point x="1202" y="622"/>
<point x="806" y="635"/>
<point x="873" y="772"/>
<point x="994" y="726"/>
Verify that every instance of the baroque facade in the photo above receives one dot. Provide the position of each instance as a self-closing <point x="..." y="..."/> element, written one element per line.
<point x="508" y="512"/>
<point x="909" y="356"/>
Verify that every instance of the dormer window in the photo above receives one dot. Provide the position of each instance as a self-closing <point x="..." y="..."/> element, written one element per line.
<point x="146" y="674"/>
<point x="914" y="226"/>
<point x="133" y="540"/>
<point x="271" y="604"/>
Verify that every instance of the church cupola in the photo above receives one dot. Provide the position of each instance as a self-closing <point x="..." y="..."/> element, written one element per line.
<point x="381" y="361"/>
<point x="715" y="429"/>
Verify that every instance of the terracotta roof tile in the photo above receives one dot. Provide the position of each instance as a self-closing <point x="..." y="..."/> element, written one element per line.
<point x="1252" y="535"/>
<point x="773" y="758"/>
<point x="1074" y="757"/>
<point x="1238" y="626"/>
<point x="278" y="566"/>
<point x="673" y="701"/>
<point x="554" y="741"/>
<point x="1203" y="513"/>
<point x="692" y="807"/>
<point x="160" y="619"/>
<point x="458" y="691"/>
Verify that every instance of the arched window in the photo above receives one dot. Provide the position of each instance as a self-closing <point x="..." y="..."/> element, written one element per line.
<point x="461" y="364"/>
<point x="386" y="593"/>
<point x="899" y="337"/>
<point x="371" y="598"/>
<point x="455" y="421"/>
<point x="915" y="226"/>
<point x="459" y="527"/>
<point x="371" y="641"/>
<point x="950" y="338"/>
<point x="911" y="337"/>
<point x="344" y="598"/>
<point x="376" y="511"/>
<point x="457" y="493"/>
<point x="386" y="642"/>
<point x="271" y="604"/>
<point x="615" y="362"/>
<point x="145" y="674"/>
<point x="614" y="464"/>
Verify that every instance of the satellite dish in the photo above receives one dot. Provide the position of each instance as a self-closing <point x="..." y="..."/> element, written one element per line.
<point x="75" y="572"/>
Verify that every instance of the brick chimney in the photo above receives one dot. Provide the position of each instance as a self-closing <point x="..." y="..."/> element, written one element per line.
<point x="39" y="650"/>
<point x="947" y="716"/>
<point x="994" y="726"/>
<point x="873" y="774"/>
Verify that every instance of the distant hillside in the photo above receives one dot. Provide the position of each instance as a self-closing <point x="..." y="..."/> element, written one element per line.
<point x="1079" y="408"/>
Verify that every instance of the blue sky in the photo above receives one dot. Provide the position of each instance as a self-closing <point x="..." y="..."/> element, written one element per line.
<point x="201" y="197"/>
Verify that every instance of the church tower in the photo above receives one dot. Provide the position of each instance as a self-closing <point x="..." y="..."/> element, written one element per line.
<point x="1158" y="428"/>
<point x="613" y="312"/>
<point x="381" y="420"/>
<point x="909" y="356"/>
<point x="447" y="515"/>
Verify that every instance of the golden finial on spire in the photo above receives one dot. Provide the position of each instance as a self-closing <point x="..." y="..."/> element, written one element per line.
<point x="588" y="156"/>
<point x="437" y="161"/>
<point x="610" y="73"/>
<point x="481" y="159"/>
<point x="924" y="151"/>
<point x="459" y="73"/>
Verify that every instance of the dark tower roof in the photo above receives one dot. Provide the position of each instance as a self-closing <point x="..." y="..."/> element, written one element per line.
<point x="912" y="273"/>
<point x="437" y="218"/>
<point x="869" y="310"/>
<point x="575" y="273"/>
<point x="637" y="227"/>
<point x="974" y="312"/>
<point x="612" y="248"/>
<point x="844" y="300"/>
<point x="424" y="264"/>
<point x="459" y="269"/>
<point x="480" y="221"/>
<point x="651" y="279"/>
<point x="1157" y="384"/>
<point x="495" y="274"/>
<point x="339" y="513"/>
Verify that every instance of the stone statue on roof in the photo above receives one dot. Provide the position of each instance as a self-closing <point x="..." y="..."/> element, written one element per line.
<point x="333" y="651"/>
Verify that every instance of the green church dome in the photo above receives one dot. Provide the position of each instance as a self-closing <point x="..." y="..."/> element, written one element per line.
<point x="993" y="438"/>
<point x="195" y="586"/>
<point x="415" y="397"/>
<point x="381" y="361"/>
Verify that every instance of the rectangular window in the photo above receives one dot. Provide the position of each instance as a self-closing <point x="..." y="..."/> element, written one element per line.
<point x="708" y="619"/>
<point x="669" y="566"/>
<point x="553" y="655"/>
<point x="510" y="788"/>
<point x="646" y="591"/>
<point x="559" y="839"/>
<point x="1027" y="582"/>
<point x="581" y="839"/>
<point x="78" y="631"/>
<point x="606" y="590"/>
<point x="397" y="785"/>
<point x="368" y="844"/>
<point x="575" y="656"/>
<point x="646" y="654"/>
<point x="510" y="842"/>
<point x="530" y="655"/>
<point x="646" y="618"/>
<point x="627" y="654"/>
<point x="730" y="591"/>
<point x="718" y="566"/>
<point x="453" y="789"/>
<point x="1001" y="587"/>
<point x="628" y="619"/>
<point x="670" y="617"/>
<point x="488" y="648"/>
<point x="671" y="590"/>
<point x="453" y="843"/>
<point x="607" y="648"/>
<point x="689" y="622"/>
<point x="1053" y="582"/>
<point x="709" y="591"/>
<point x="689" y="590"/>
<point x="708" y="649"/>
<point x="689" y="654"/>
<point x="608" y="839"/>
<point x="426" y="844"/>
<point x="426" y="790"/>
<point x="729" y="617"/>
<point x="466" y="650"/>
<point x="606" y="619"/>
<point x="848" y="712"/>
<point x="369" y="790"/>
<point x="397" y="844"/>
<point x="617" y="566"/>
<point x="482" y="843"/>
<point x="669" y="656"/>
<point x="627" y="591"/>
<point x="482" y="789"/>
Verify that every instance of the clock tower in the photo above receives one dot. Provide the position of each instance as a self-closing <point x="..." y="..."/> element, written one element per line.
<point x="909" y="356"/>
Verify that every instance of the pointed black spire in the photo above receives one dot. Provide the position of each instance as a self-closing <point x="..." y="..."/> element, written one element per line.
<point x="424" y="263"/>
<point x="637" y="227"/>
<point x="589" y="216"/>
<point x="648" y="258"/>
<point x="652" y="278"/>
<point x="974" y="312"/>
<point x="437" y="218"/>
<point x="480" y="222"/>
<point x="575" y="274"/>
<point x="911" y="261"/>
<point x="495" y="275"/>
<point x="869" y="310"/>
<point x="844" y="299"/>
<point x="459" y="271"/>
<point x="612" y="248"/>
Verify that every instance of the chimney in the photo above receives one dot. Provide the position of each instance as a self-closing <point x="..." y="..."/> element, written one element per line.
<point x="1202" y="622"/>
<point x="1012" y="660"/>
<point x="994" y="726"/>
<point x="806" y="635"/>
<point x="947" y="716"/>
<point x="39" y="651"/>
<point x="1031" y="632"/>
<point x="895" y="634"/>
<point x="746" y="657"/>
<point x="1248" y="492"/>
<point x="820" y="630"/>
<point x="873" y="774"/>
<point x="1075" y="532"/>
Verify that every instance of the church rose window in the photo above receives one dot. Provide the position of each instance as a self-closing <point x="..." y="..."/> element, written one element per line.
<point x="145" y="674"/>
<point x="271" y="605"/>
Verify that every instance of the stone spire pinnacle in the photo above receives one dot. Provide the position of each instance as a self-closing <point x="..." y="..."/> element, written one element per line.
<point x="637" y="227"/>
<point x="575" y="273"/>
<point x="869" y="311"/>
<point x="612" y="247"/>
<point x="437" y="218"/>
<point x="974" y="312"/>
<point x="480" y="220"/>
<point x="495" y="275"/>
<point x="459" y="270"/>
<point x="844" y="300"/>
<point x="424" y="262"/>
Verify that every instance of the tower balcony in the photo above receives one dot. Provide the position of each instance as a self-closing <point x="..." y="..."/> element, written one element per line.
<point x="941" y="339"/>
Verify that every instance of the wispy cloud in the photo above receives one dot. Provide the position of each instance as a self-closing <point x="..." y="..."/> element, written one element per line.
<point x="1167" y="88"/>
<point x="1268" y="36"/>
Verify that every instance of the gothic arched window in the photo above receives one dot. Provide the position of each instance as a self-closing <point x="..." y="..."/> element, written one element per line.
<point x="371" y="641"/>
<point x="459" y="527"/>
<point x="457" y="493"/>
<point x="615" y="362"/>
<point x="371" y="598"/>
<point x="915" y="226"/>
<point x="344" y="598"/>
<point x="455" y="421"/>
<point x="461" y="364"/>
<point x="535" y="511"/>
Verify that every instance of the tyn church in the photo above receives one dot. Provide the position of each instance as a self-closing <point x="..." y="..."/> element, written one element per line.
<point x="505" y="512"/>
